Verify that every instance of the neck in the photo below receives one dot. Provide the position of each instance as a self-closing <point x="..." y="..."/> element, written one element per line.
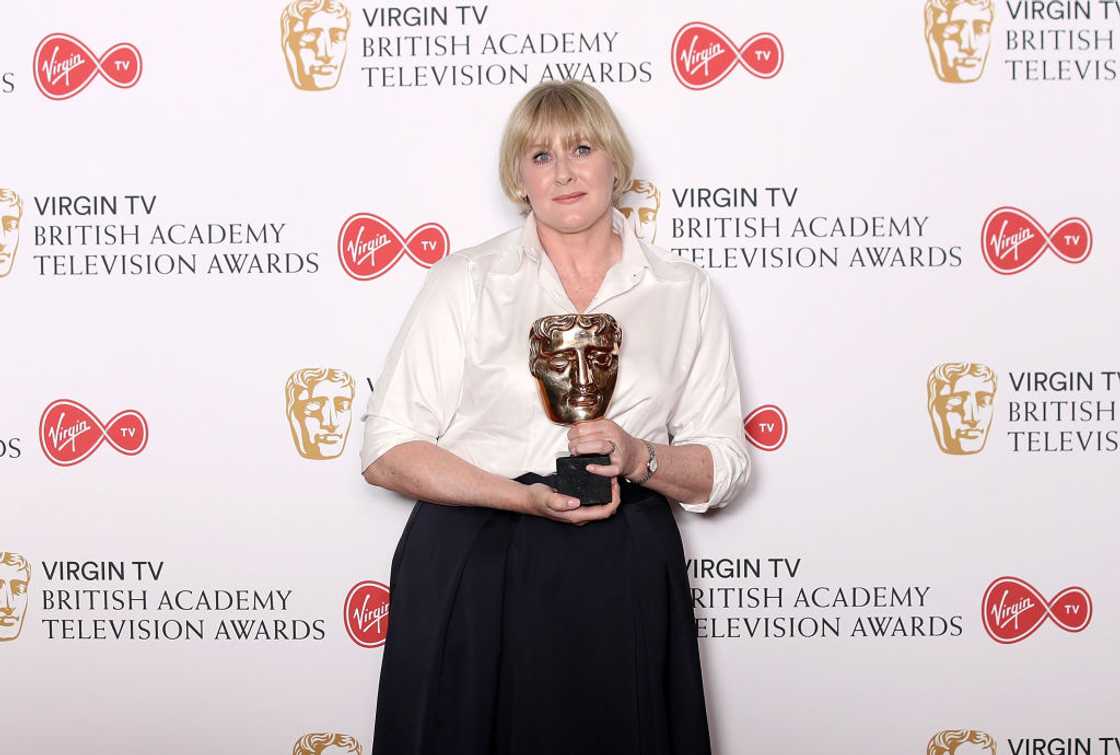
<point x="591" y="249"/>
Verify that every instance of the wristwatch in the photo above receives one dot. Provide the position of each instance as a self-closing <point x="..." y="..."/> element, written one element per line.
<point x="651" y="465"/>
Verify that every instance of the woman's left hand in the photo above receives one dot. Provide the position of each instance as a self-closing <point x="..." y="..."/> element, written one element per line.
<point x="602" y="436"/>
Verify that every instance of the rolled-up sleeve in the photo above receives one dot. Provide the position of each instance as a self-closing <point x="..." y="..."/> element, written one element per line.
<point x="709" y="409"/>
<point x="420" y="384"/>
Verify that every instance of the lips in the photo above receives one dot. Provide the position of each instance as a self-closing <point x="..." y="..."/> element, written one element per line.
<point x="568" y="198"/>
<point x="584" y="399"/>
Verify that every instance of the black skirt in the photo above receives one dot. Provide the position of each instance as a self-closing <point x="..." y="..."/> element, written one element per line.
<point x="512" y="634"/>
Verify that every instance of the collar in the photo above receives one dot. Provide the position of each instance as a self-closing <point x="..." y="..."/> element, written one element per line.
<point x="634" y="257"/>
<point x="621" y="277"/>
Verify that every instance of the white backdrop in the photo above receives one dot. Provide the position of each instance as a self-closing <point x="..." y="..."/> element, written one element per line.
<point x="858" y="496"/>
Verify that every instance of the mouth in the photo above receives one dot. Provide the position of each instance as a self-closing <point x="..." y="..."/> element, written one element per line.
<point x="968" y="62"/>
<point x="969" y="434"/>
<point x="328" y="438"/>
<point x="584" y="399"/>
<point x="8" y="621"/>
<point x="569" y="198"/>
<point x="323" y="70"/>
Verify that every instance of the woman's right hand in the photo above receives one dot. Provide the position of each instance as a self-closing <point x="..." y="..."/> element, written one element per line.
<point x="546" y="502"/>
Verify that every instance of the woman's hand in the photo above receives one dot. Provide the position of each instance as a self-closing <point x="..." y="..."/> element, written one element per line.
<point x="602" y="436"/>
<point x="546" y="502"/>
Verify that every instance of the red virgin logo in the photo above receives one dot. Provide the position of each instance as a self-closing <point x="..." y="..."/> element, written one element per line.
<point x="69" y="432"/>
<point x="703" y="55"/>
<point x="64" y="66"/>
<point x="369" y="246"/>
<point x="1013" y="241"/>
<point x="1013" y="610"/>
<point x="366" y="613"/>
<point x="766" y="427"/>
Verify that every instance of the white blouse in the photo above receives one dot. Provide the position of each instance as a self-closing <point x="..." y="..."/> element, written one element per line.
<point x="457" y="374"/>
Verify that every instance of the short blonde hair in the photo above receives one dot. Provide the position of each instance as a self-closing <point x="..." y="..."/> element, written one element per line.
<point x="574" y="111"/>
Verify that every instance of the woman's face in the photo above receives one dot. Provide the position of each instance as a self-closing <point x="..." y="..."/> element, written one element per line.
<point x="569" y="185"/>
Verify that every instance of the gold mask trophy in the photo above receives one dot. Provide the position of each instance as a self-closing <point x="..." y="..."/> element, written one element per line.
<point x="575" y="361"/>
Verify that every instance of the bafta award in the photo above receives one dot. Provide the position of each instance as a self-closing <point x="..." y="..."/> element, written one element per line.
<point x="575" y="361"/>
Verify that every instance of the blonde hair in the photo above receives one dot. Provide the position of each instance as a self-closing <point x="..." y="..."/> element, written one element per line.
<point x="573" y="111"/>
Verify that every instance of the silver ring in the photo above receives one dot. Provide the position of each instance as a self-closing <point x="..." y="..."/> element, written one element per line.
<point x="613" y="446"/>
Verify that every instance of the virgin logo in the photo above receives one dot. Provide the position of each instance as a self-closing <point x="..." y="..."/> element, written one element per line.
<point x="1012" y="240"/>
<point x="64" y="66"/>
<point x="766" y="427"/>
<point x="703" y="56"/>
<point x="69" y="432"/>
<point x="369" y="246"/>
<point x="366" y="613"/>
<point x="1013" y="610"/>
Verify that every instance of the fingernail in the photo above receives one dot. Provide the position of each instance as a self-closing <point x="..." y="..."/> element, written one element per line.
<point x="573" y="503"/>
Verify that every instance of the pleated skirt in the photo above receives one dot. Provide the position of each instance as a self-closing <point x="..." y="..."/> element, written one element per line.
<point x="512" y="634"/>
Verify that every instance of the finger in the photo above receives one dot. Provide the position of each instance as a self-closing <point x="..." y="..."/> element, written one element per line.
<point x="560" y="502"/>
<point x="610" y="470"/>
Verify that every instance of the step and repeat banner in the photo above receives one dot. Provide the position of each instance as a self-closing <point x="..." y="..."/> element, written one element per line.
<point x="215" y="216"/>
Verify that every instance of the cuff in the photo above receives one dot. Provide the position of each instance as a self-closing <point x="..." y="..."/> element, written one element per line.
<point x="381" y="434"/>
<point x="731" y="468"/>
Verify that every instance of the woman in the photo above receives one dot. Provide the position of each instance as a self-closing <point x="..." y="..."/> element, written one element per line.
<point x="522" y="622"/>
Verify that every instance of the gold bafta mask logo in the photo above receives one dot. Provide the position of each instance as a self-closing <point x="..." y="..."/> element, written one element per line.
<point x="11" y="213"/>
<point x="959" y="36"/>
<point x="961" y="402"/>
<point x="640" y="204"/>
<point x="313" y="36"/>
<point x="575" y="361"/>
<point x="317" y="402"/>
<point x="15" y="576"/>
<point x="326" y="744"/>
<point x="961" y="742"/>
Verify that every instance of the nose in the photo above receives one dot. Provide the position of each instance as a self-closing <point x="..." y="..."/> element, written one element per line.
<point x="321" y="47"/>
<point x="563" y="168"/>
<point x="968" y="39"/>
<point x="970" y="413"/>
<point x="330" y="416"/>
<point x="583" y="371"/>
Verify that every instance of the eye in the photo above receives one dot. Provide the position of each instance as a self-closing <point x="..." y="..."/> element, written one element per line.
<point x="308" y="38"/>
<point x="952" y="29"/>
<point x="953" y="402"/>
<point x="338" y="35"/>
<point x="19" y="588"/>
<point x="646" y="214"/>
<point x="314" y="406"/>
<point x="342" y="404"/>
<point x="540" y="158"/>
<point x="582" y="150"/>
<point x="982" y="27"/>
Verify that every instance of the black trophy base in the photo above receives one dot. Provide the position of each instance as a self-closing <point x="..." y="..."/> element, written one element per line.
<point x="572" y="478"/>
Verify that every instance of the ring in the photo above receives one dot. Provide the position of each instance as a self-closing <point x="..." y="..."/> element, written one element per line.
<point x="613" y="447"/>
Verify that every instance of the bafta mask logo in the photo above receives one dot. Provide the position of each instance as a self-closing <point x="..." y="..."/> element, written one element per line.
<point x="961" y="402"/>
<point x="317" y="402"/>
<point x="575" y="361"/>
<point x="11" y="213"/>
<point x="15" y="576"/>
<point x="961" y="742"/>
<point x="366" y="613"/>
<point x="640" y="205"/>
<point x="326" y="744"/>
<point x="959" y="36"/>
<point x="313" y="36"/>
